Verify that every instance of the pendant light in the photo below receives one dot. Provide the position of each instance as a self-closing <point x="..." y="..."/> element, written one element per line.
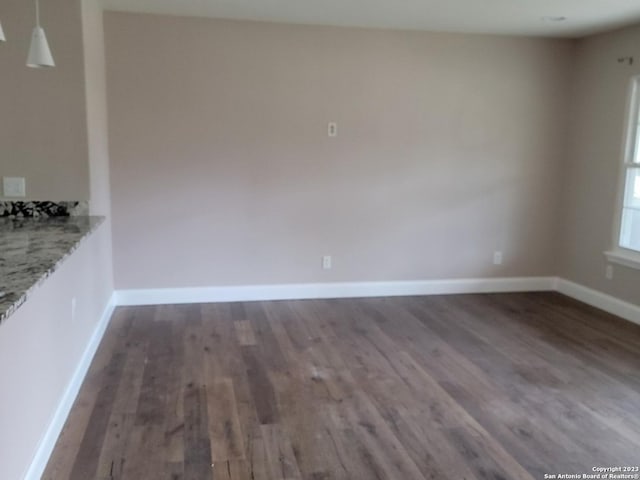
<point x="2" y="37"/>
<point x="39" y="53"/>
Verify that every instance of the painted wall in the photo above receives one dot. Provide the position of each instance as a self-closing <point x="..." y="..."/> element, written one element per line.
<point x="96" y="107"/>
<point x="600" y="95"/>
<point x="97" y="124"/>
<point x="41" y="347"/>
<point x="449" y="148"/>
<point x="43" y="130"/>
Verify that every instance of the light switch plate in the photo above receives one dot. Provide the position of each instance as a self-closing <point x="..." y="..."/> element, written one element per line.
<point x="14" y="186"/>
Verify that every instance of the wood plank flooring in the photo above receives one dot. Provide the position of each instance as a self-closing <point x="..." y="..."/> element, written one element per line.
<point x="501" y="386"/>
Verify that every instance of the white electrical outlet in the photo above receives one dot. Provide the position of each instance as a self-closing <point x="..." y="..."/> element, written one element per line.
<point x="14" y="187"/>
<point x="608" y="272"/>
<point x="326" y="262"/>
<point x="332" y="129"/>
<point x="497" y="258"/>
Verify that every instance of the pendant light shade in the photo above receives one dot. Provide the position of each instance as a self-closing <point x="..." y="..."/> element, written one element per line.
<point x="2" y="37"/>
<point x="39" y="52"/>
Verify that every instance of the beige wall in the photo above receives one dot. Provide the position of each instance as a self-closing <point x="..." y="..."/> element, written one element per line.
<point x="449" y="148"/>
<point x="96" y="107"/>
<point x="597" y="120"/>
<point x="97" y="124"/>
<point x="43" y="132"/>
<point x="41" y="344"/>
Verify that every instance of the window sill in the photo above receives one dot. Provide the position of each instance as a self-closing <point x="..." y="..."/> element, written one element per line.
<point x="628" y="258"/>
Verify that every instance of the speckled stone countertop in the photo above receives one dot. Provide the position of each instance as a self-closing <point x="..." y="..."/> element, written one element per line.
<point x="31" y="249"/>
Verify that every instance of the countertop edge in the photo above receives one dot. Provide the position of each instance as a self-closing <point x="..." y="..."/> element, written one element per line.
<point x="99" y="220"/>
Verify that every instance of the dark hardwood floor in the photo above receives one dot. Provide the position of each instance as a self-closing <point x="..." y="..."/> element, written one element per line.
<point x="502" y="386"/>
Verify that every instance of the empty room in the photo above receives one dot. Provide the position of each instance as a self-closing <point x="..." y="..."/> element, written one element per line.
<point x="304" y="240"/>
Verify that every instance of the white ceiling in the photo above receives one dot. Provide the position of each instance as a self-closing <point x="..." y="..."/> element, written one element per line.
<point x="519" y="17"/>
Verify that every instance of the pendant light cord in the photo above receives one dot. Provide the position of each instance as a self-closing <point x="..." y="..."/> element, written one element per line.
<point x="37" y="13"/>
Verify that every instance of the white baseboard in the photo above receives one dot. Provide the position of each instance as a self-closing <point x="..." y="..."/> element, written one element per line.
<point x="164" y="296"/>
<point x="48" y="440"/>
<point x="600" y="300"/>
<point x="300" y="291"/>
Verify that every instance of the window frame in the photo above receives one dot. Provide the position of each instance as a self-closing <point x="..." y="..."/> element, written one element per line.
<point x="619" y="254"/>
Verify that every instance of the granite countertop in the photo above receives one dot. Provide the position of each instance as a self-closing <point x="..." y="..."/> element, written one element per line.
<point x="31" y="249"/>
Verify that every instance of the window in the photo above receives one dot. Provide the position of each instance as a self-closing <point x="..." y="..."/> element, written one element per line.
<point x="630" y="225"/>
<point x="627" y="249"/>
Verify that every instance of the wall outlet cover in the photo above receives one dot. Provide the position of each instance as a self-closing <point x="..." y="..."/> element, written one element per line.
<point x="608" y="273"/>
